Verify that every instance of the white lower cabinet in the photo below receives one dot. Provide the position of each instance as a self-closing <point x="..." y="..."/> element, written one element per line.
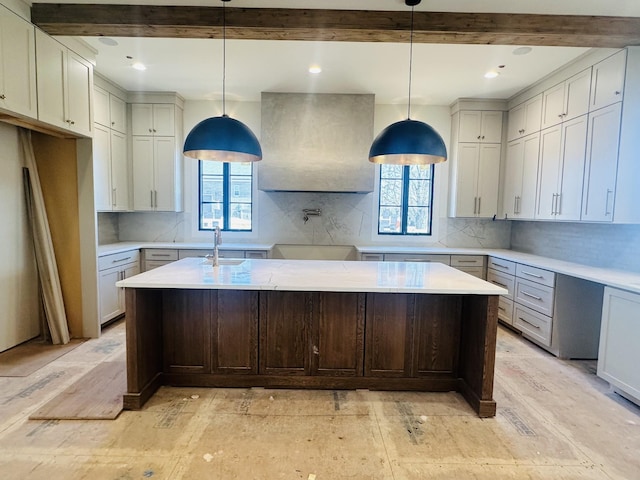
<point x="619" y="355"/>
<point x="113" y="268"/>
<point x="471" y="264"/>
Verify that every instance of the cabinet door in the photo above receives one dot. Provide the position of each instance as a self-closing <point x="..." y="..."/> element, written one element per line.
<point x="142" y="119"/>
<point x="488" y="180"/>
<point x="527" y="200"/>
<point x="467" y="179"/>
<point x="78" y="94"/>
<point x="50" y="66"/>
<point x="436" y="334"/>
<point x="470" y="125"/>
<point x="513" y="178"/>
<point x="601" y="164"/>
<point x="337" y="338"/>
<point x="553" y="106"/>
<point x="574" y="145"/>
<point x="550" y="165"/>
<point x="491" y="127"/>
<point x="164" y="121"/>
<point x="235" y="332"/>
<point x="608" y="81"/>
<point x="285" y="319"/>
<point x="577" y="90"/>
<point x="186" y="327"/>
<point x="118" y="114"/>
<point x="515" y="126"/>
<point x="142" y="158"/>
<point x="102" y="168"/>
<point x="532" y="115"/>
<point x="389" y="338"/>
<point x="101" y="107"/>
<point x="17" y="65"/>
<point x="164" y="173"/>
<point x="110" y="306"/>
<point x="618" y="355"/>
<point x="119" y="171"/>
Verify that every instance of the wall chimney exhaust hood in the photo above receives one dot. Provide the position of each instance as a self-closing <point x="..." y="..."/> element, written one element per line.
<point x="316" y="142"/>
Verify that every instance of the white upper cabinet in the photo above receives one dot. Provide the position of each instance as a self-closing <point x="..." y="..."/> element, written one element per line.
<point x="102" y="167"/>
<point x="524" y="119"/>
<point x="101" y="107"/>
<point x="478" y="169"/>
<point x="156" y="175"/>
<point x="599" y="189"/>
<point x="65" y="86"/>
<point x="109" y="110"/>
<point x="17" y="65"/>
<point x="561" y="167"/>
<point x="607" y="85"/>
<point x="567" y="100"/>
<point x="521" y="172"/>
<point x="155" y="119"/>
<point x="480" y="126"/>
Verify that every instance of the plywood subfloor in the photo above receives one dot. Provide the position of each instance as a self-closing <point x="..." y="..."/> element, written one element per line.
<point x="31" y="356"/>
<point x="556" y="420"/>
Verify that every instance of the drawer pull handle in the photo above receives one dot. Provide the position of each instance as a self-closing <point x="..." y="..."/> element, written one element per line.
<point x="416" y="260"/>
<point x="153" y="255"/>
<point x="467" y="261"/>
<point x="532" y="274"/>
<point x="499" y="265"/>
<point x="530" y="295"/>
<point x="121" y="260"/>
<point x="500" y="284"/>
<point x="502" y="308"/>
<point x="529" y="323"/>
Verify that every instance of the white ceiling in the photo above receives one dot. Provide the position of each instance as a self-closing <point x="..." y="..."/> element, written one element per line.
<point x="441" y="73"/>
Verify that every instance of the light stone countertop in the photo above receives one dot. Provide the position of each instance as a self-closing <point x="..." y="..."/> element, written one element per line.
<point x="128" y="246"/>
<point x="314" y="275"/>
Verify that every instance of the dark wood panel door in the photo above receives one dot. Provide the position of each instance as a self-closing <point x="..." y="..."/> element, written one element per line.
<point x="337" y="340"/>
<point x="389" y="321"/>
<point x="235" y="332"/>
<point x="285" y="321"/>
<point x="436" y="334"/>
<point x="186" y="325"/>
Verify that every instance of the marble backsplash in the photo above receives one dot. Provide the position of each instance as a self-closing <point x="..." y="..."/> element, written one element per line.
<point x="598" y="245"/>
<point x="345" y="220"/>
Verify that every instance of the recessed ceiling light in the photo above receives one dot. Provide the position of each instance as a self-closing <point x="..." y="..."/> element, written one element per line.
<point x="315" y="69"/>
<point x="108" y="41"/>
<point x="491" y="74"/>
<point x="139" y="66"/>
<point x="522" y="50"/>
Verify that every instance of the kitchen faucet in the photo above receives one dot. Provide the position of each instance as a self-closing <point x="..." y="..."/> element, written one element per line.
<point x="217" y="240"/>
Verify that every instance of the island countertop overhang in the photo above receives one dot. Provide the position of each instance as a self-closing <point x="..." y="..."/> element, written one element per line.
<point x="314" y="275"/>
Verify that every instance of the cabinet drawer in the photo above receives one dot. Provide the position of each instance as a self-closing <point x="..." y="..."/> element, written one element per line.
<point x="533" y="295"/>
<point x="538" y="275"/>
<point x="467" y="260"/>
<point x="504" y="266"/>
<point x="151" y="264"/>
<point x="255" y="254"/>
<point x="475" y="271"/>
<point x="231" y="253"/>
<point x="502" y="280"/>
<point x="404" y="257"/>
<point x="194" y="253"/>
<point x="505" y="310"/>
<point x="161" y="254"/>
<point x="533" y="324"/>
<point x="371" y="257"/>
<point x="117" y="259"/>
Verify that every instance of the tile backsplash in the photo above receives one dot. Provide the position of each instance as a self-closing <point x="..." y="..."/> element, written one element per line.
<point x="598" y="245"/>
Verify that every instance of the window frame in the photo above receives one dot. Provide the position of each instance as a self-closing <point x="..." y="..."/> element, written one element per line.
<point x="404" y="205"/>
<point x="226" y="199"/>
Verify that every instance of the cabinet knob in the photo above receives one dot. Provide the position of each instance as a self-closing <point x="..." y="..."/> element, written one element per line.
<point x="150" y="130"/>
<point x="483" y="137"/>
<point x="2" y="96"/>
<point x="478" y="137"/>
<point x="617" y="93"/>
<point x="113" y="123"/>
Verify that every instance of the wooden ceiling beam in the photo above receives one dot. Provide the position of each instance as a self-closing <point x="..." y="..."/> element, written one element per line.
<point x="335" y="25"/>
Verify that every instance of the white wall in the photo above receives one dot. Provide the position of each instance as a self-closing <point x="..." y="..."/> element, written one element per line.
<point x="347" y="219"/>
<point x="19" y="300"/>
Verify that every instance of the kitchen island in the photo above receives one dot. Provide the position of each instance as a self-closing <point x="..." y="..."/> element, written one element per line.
<point x="311" y="324"/>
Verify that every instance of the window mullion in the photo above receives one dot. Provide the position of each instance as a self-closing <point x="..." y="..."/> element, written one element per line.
<point x="226" y="189"/>
<point x="405" y="198"/>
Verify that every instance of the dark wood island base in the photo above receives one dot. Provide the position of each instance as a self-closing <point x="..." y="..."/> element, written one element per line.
<point x="319" y="340"/>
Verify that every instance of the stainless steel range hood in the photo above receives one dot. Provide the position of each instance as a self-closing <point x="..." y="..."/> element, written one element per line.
<point x="316" y="143"/>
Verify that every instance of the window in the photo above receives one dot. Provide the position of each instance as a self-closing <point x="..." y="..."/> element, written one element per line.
<point x="406" y="198"/>
<point x="225" y="195"/>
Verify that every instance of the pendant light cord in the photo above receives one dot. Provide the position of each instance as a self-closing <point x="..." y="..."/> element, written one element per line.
<point x="410" y="64"/>
<point x="224" y="57"/>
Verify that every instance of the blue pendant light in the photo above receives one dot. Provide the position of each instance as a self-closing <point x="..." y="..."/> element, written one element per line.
<point x="222" y="138"/>
<point x="408" y="142"/>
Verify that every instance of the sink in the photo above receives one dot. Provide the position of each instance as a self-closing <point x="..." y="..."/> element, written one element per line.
<point x="225" y="261"/>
